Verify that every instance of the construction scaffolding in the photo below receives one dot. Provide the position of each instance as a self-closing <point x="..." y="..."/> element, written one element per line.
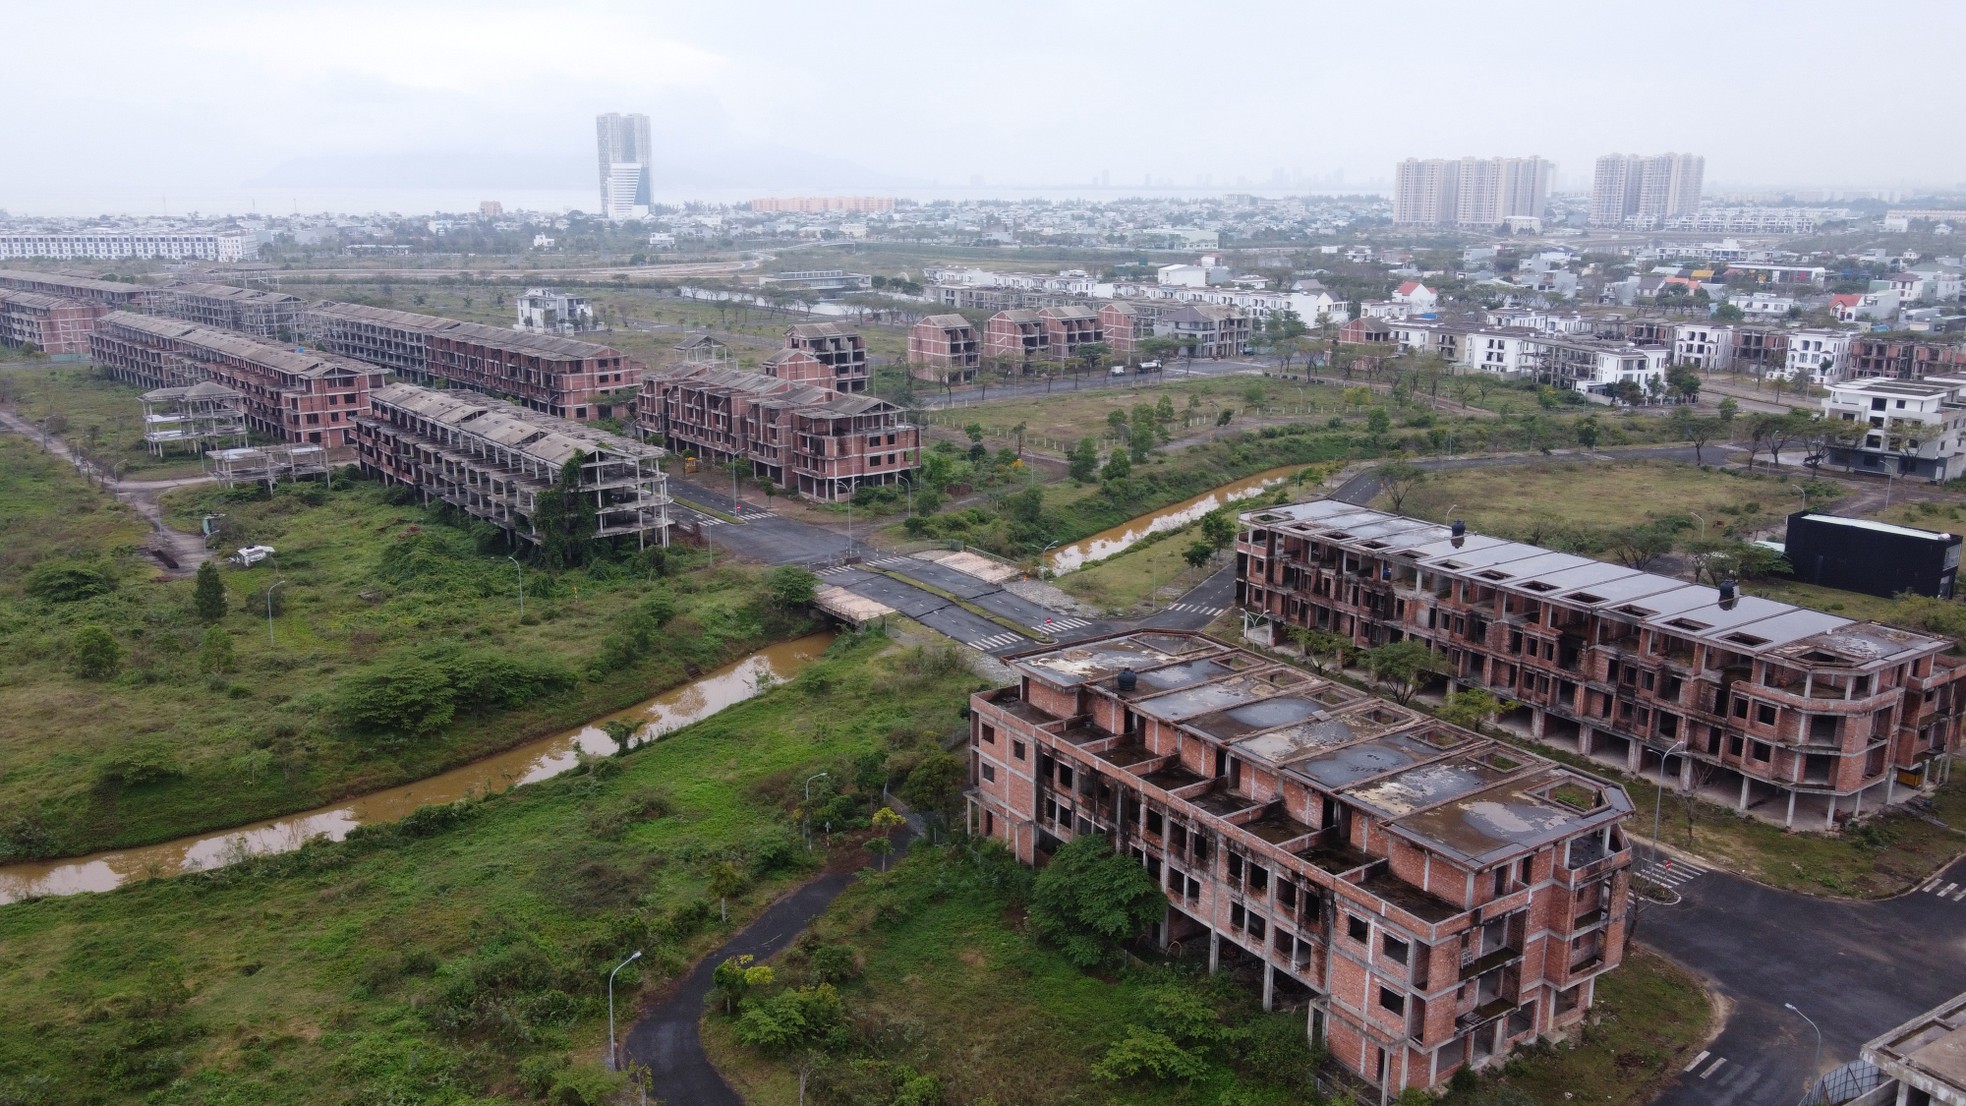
<point x="266" y="464"/>
<point x="201" y="417"/>
<point x="493" y="460"/>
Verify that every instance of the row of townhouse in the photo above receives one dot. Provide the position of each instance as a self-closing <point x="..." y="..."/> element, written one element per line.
<point x="112" y="294"/>
<point x="272" y="316"/>
<point x="1903" y="358"/>
<point x="1595" y="365"/>
<point x="818" y="442"/>
<point x="1899" y="427"/>
<point x="546" y="373"/>
<point x="950" y="348"/>
<point x="1430" y="898"/>
<point x="55" y="325"/>
<point x="495" y="460"/>
<point x="837" y="349"/>
<point x="1772" y="705"/>
<point x="309" y="398"/>
<point x="121" y="245"/>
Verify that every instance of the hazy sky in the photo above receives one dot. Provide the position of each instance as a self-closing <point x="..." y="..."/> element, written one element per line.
<point x="215" y="99"/>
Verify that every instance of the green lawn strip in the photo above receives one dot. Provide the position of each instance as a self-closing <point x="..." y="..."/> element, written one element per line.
<point x="1008" y="624"/>
<point x="460" y="955"/>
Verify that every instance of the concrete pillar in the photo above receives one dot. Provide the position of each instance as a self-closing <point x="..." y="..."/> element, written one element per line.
<point x="1214" y="950"/>
<point x="1860" y="802"/>
<point x="1686" y="771"/>
<point x="1890" y="784"/>
<point x="1584" y="742"/>
<point x="1166" y="914"/>
<point x="1536" y="716"/>
<point x="1743" y="804"/>
<point x="1269" y="985"/>
<point x="1635" y="757"/>
<point x="1789" y="822"/>
<point x="1829" y="821"/>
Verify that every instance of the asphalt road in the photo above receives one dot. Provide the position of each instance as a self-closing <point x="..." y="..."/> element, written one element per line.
<point x="1856" y="969"/>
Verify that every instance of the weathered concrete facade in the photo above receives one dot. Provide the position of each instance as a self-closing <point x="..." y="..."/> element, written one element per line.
<point x="1429" y="897"/>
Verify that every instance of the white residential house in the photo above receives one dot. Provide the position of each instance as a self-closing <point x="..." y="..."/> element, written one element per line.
<point x="1505" y="351"/>
<point x="1854" y="307"/>
<point x="1418" y="296"/>
<point x="1703" y="345"/>
<point x="1903" y="427"/>
<point x="1818" y="357"/>
<point x="1765" y="305"/>
<point x="547" y="311"/>
<point x="1385" y="309"/>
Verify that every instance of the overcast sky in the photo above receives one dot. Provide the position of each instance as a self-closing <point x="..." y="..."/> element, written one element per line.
<point x="115" y="103"/>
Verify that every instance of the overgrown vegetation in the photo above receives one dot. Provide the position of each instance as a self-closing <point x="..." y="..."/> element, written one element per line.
<point x="381" y="644"/>
<point x="461" y="954"/>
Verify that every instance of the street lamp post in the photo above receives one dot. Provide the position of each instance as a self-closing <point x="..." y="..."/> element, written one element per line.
<point x="632" y="957"/>
<point x="1702" y="519"/>
<point x="910" y="485"/>
<point x="520" y="571"/>
<point x="808" y="802"/>
<point x="1815" y="1067"/>
<point x="1659" y="800"/>
<point x="269" y="609"/>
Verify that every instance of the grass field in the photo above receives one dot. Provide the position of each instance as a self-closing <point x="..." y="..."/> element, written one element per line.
<point x="98" y="418"/>
<point x="460" y="956"/>
<point x="159" y="748"/>
<point x="1525" y="499"/>
<point x="950" y="985"/>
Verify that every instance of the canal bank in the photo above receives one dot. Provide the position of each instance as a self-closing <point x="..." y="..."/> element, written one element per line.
<point x="538" y="759"/>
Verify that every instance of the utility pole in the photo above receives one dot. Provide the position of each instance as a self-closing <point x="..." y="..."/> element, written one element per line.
<point x="520" y="570"/>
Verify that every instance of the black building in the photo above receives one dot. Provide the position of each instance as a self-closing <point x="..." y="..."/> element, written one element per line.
<point x="1876" y="558"/>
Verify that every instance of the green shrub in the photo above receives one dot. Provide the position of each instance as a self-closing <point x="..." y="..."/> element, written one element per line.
<point x="68" y="581"/>
<point x="93" y="653"/>
<point x="409" y="697"/>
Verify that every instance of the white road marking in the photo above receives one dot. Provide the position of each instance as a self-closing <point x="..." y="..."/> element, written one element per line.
<point x="1714" y="1068"/>
<point x="1698" y="1059"/>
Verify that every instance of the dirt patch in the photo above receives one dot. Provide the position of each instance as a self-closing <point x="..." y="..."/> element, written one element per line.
<point x="973" y="958"/>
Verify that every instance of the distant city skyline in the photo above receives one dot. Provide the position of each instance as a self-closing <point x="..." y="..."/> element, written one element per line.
<point x="336" y="106"/>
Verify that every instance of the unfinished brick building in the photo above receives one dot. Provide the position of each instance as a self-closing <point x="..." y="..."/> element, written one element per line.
<point x="1758" y="350"/>
<point x="1904" y="358"/>
<point x="839" y="348"/>
<point x="1788" y="712"/>
<point x="555" y="376"/>
<point x="308" y="398"/>
<point x="1208" y="330"/>
<point x="1014" y="337"/>
<point x="945" y="349"/>
<point x="796" y="366"/>
<point x="55" y="325"/>
<point x="112" y="294"/>
<point x="493" y="460"/>
<point x="1069" y="329"/>
<point x="1432" y="898"/>
<point x="1125" y="326"/>
<point x="270" y="316"/>
<point x="815" y="441"/>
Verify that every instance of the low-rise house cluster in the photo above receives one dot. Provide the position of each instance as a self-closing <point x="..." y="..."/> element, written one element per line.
<point x="1818" y="715"/>
<point x="1428" y="897"/>
<point x="270" y="316"/>
<point x="56" y="325"/>
<point x="303" y="398"/>
<point x="495" y="461"/>
<point x="815" y="441"/>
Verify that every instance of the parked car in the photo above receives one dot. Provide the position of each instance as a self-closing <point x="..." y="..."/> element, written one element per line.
<point x="1117" y="370"/>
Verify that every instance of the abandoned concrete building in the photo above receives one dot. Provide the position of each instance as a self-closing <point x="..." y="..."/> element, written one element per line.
<point x="268" y="316"/>
<point x="553" y="375"/>
<point x="304" y="398"/>
<point x="56" y="325"/>
<point x="1429" y="897"/>
<point x="839" y="348"/>
<point x="1014" y="336"/>
<point x="1792" y="714"/>
<point x="945" y="349"/>
<point x="810" y="440"/>
<point x="112" y="294"/>
<point x="199" y="417"/>
<point x="1208" y="330"/>
<point x="1068" y="329"/>
<point x="492" y="460"/>
<point x="1126" y="325"/>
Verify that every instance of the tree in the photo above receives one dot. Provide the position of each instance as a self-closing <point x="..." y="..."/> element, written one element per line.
<point x="1589" y="430"/>
<point x="791" y="587"/>
<point x="565" y="518"/>
<point x="215" y="656"/>
<point x="1227" y="416"/>
<point x="1639" y="546"/>
<point x="1116" y="424"/>
<point x="1198" y="554"/>
<point x="1118" y="466"/>
<point x="1378" y="421"/>
<point x="1685" y="383"/>
<point x="934" y="787"/>
<point x="1762" y="431"/>
<point x="1083" y="464"/>
<point x="1728" y="313"/>
<point x="1140" y="438"/>
<point x="208" y="594"/>
<point x="1218" y="529"/>
<point x="1727" y="409"/>
<point x="807" y="1017"/>
<point x="1402" y="665"/>
<point x="885" y="821"/>
<point x="94" y="653"/>
<point x="1322" y="646"/>
<point x="1398" y="479"/>
<point x="1090" y="899"/>
<point x="737" y="976"/>
<point x="1470" y="709"/>
<point x="726" y="879"/>
<point x="1697" y="430"/>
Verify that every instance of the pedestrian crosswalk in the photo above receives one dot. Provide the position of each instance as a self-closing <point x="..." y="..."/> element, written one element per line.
<point x="836" y="570"/>
<point x="1061" y="622"/>
<point x="1196" y="608"/>
<point x="711" y="520"/>
<point x="994" y="642"/>
<point x="1944" y="888"/>
<point x="1669" y="872"/>
<point x="889" y="560"/>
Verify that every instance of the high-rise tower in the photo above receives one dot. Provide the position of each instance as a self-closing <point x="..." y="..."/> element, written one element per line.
<point x="622" y="149"/>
